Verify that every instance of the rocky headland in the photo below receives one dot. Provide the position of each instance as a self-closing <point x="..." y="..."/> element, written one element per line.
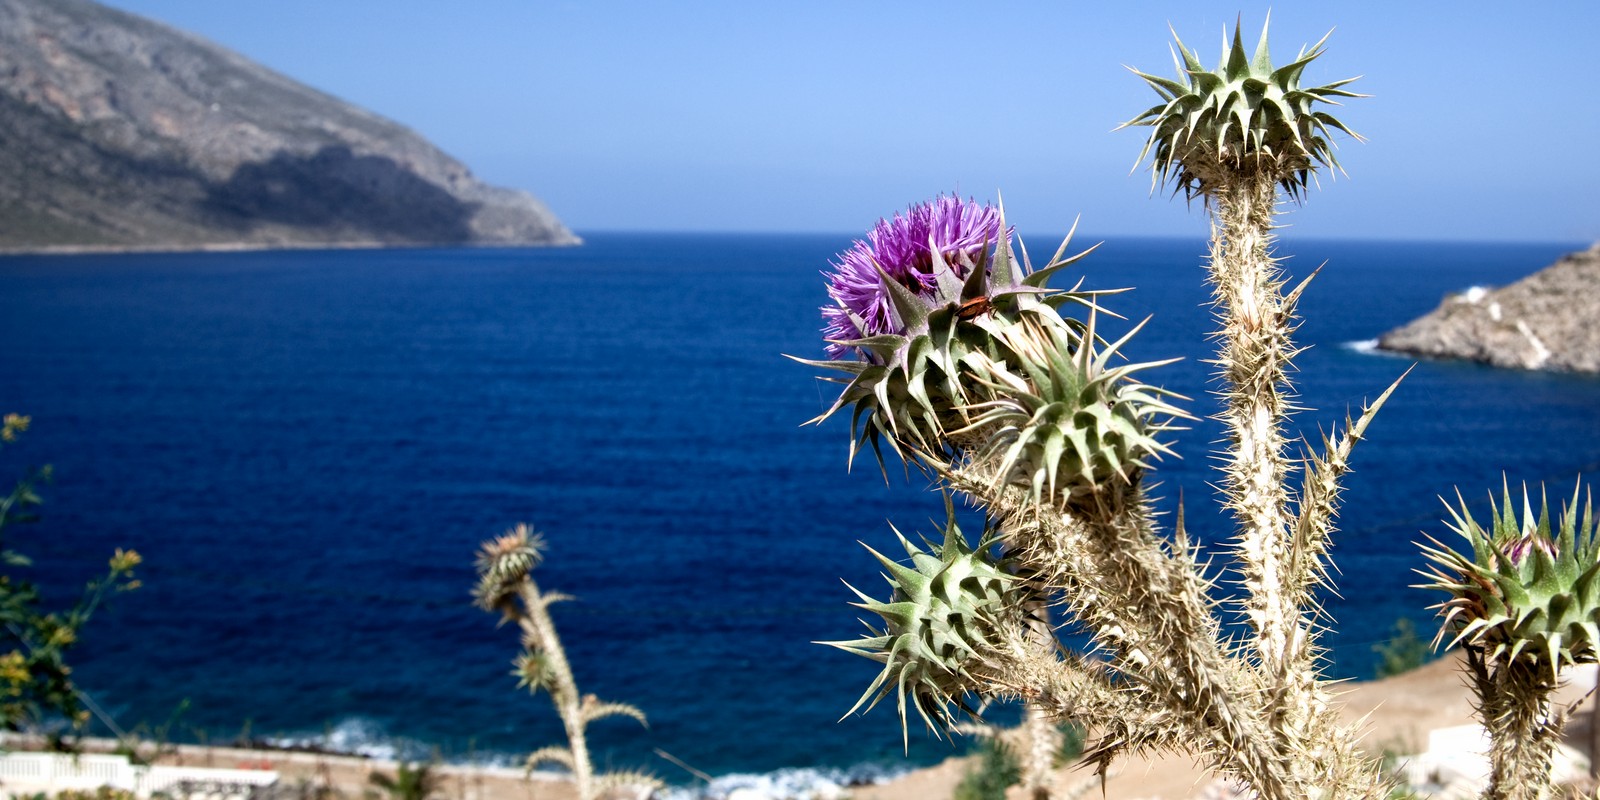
<point x="117" y="132"/>
<point x="1546" y="321"/>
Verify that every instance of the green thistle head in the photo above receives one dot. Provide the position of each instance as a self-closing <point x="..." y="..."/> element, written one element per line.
<point x="1244" y="118"/>
<point x="1524" y="594"/>
<point x="503" y="562"/>
<point x="948" y="607"/>
<point x="1065" y="423"/>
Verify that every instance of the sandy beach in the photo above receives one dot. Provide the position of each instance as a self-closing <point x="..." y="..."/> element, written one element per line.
<point x="1399" y="713"/>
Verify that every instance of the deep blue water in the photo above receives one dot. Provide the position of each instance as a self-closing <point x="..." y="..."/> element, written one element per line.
<point x="307" y="447"/>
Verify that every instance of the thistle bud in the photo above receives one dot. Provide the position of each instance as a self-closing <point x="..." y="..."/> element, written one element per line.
<point x="1525" y="593"/>
<point x="503" y="562"/>
<point x="947" y="609"/>
<point x="1244" y="117"/>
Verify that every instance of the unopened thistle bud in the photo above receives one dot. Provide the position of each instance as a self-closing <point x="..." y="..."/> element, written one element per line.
<point x="503" y="562"/>
<point x="947" y="610"/>
<point x="1526" y="593"/>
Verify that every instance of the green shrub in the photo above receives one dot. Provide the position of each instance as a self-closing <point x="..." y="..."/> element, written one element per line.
<point x="995" y="771"/>
<point x="1403" y="652"/>
<point x="102" y="793"/>
<point x="35" y="687"/>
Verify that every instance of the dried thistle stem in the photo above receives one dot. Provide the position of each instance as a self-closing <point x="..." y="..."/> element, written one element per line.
<point x="1152" y="605"/>
<point x="1149" y="606"/>
<point x="1254" y="352"/>
<point x="1514" y="704"/>
<point x="539" y="635"/>
<point x="505" y="585"/>
<point x="1042" y="741"/>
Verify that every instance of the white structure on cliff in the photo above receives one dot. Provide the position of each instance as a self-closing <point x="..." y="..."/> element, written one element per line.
<point x="23" y="775"/>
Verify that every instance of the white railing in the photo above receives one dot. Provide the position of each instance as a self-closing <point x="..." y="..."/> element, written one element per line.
<point x="26" y="774"/>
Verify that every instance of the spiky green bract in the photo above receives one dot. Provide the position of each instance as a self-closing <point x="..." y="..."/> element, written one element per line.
<point x="948" y="608"/>
<point x="1245" y="116"/>
<point x="533" y="671"/>
<point x="912" y="389"/>
<point x="1526" y="594"/>
<point x="1065" y="423"/>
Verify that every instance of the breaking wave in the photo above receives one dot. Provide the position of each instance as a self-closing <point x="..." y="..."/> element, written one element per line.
<point x="363" y="737"/>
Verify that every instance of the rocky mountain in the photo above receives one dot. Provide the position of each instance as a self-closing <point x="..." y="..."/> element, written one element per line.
<point x="1548" y="320"/>
<point x="116" y="131"/>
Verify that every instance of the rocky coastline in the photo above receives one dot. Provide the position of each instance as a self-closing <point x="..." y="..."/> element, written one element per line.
<point x="1546" y="321"/>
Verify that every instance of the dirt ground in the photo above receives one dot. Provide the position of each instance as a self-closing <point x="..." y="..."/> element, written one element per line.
<point x="1400" y="711"/>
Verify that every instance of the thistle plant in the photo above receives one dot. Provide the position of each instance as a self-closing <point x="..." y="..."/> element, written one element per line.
<point x="964" y="362"/>
<point x="1234" y="136"/>
<point x="505" y="585"/>
<point x="1523" y="606"/>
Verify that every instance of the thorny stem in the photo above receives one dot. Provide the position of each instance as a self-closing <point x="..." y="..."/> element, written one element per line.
<point x="1514" y="704"/>
<point x="1175" y="651"/>
<point x="1147" y="602"/>
<point x="1041" y="739"/>
<point x="1279" y="558"/>
<point x="1255" y="350"/>
<point x="1069" y="686"/>
<point x="1254" y="354"/>
<point x="1149" y="608"/>
<point x="539" y="634"/>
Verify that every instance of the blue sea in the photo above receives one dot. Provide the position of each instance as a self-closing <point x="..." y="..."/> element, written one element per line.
<point x="308" y="447"/>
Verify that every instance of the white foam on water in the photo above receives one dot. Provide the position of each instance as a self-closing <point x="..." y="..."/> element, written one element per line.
<point x="786" y="784"/>
<point x="363" y="737"/>
<point x="1369" y="347"/>
<point x="360" y="737"/>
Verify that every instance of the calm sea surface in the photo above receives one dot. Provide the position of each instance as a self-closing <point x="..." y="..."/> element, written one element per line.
<point x="307" y="447"/>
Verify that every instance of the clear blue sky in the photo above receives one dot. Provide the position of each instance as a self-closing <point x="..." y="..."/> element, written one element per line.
<point x="742" y="115"/>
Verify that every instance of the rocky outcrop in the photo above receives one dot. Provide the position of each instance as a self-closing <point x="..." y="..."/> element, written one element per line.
<point x="1548" y="320"/>
<point x="116" y="131"/>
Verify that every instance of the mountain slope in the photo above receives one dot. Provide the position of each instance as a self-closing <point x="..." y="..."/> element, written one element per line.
<point x="116" y="131"/>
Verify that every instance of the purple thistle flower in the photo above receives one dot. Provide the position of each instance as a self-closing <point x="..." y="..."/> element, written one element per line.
<point x="903" y="247"/>
<point x="1519" y="549"/>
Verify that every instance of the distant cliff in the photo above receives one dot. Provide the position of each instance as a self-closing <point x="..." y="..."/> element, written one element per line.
<point x="1548" y="320"/>
<point x="116" y="131"/>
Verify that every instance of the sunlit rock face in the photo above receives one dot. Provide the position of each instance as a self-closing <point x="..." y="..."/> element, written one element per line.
<point x="116" y="131"/>
<point x="1549" y="320"/>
